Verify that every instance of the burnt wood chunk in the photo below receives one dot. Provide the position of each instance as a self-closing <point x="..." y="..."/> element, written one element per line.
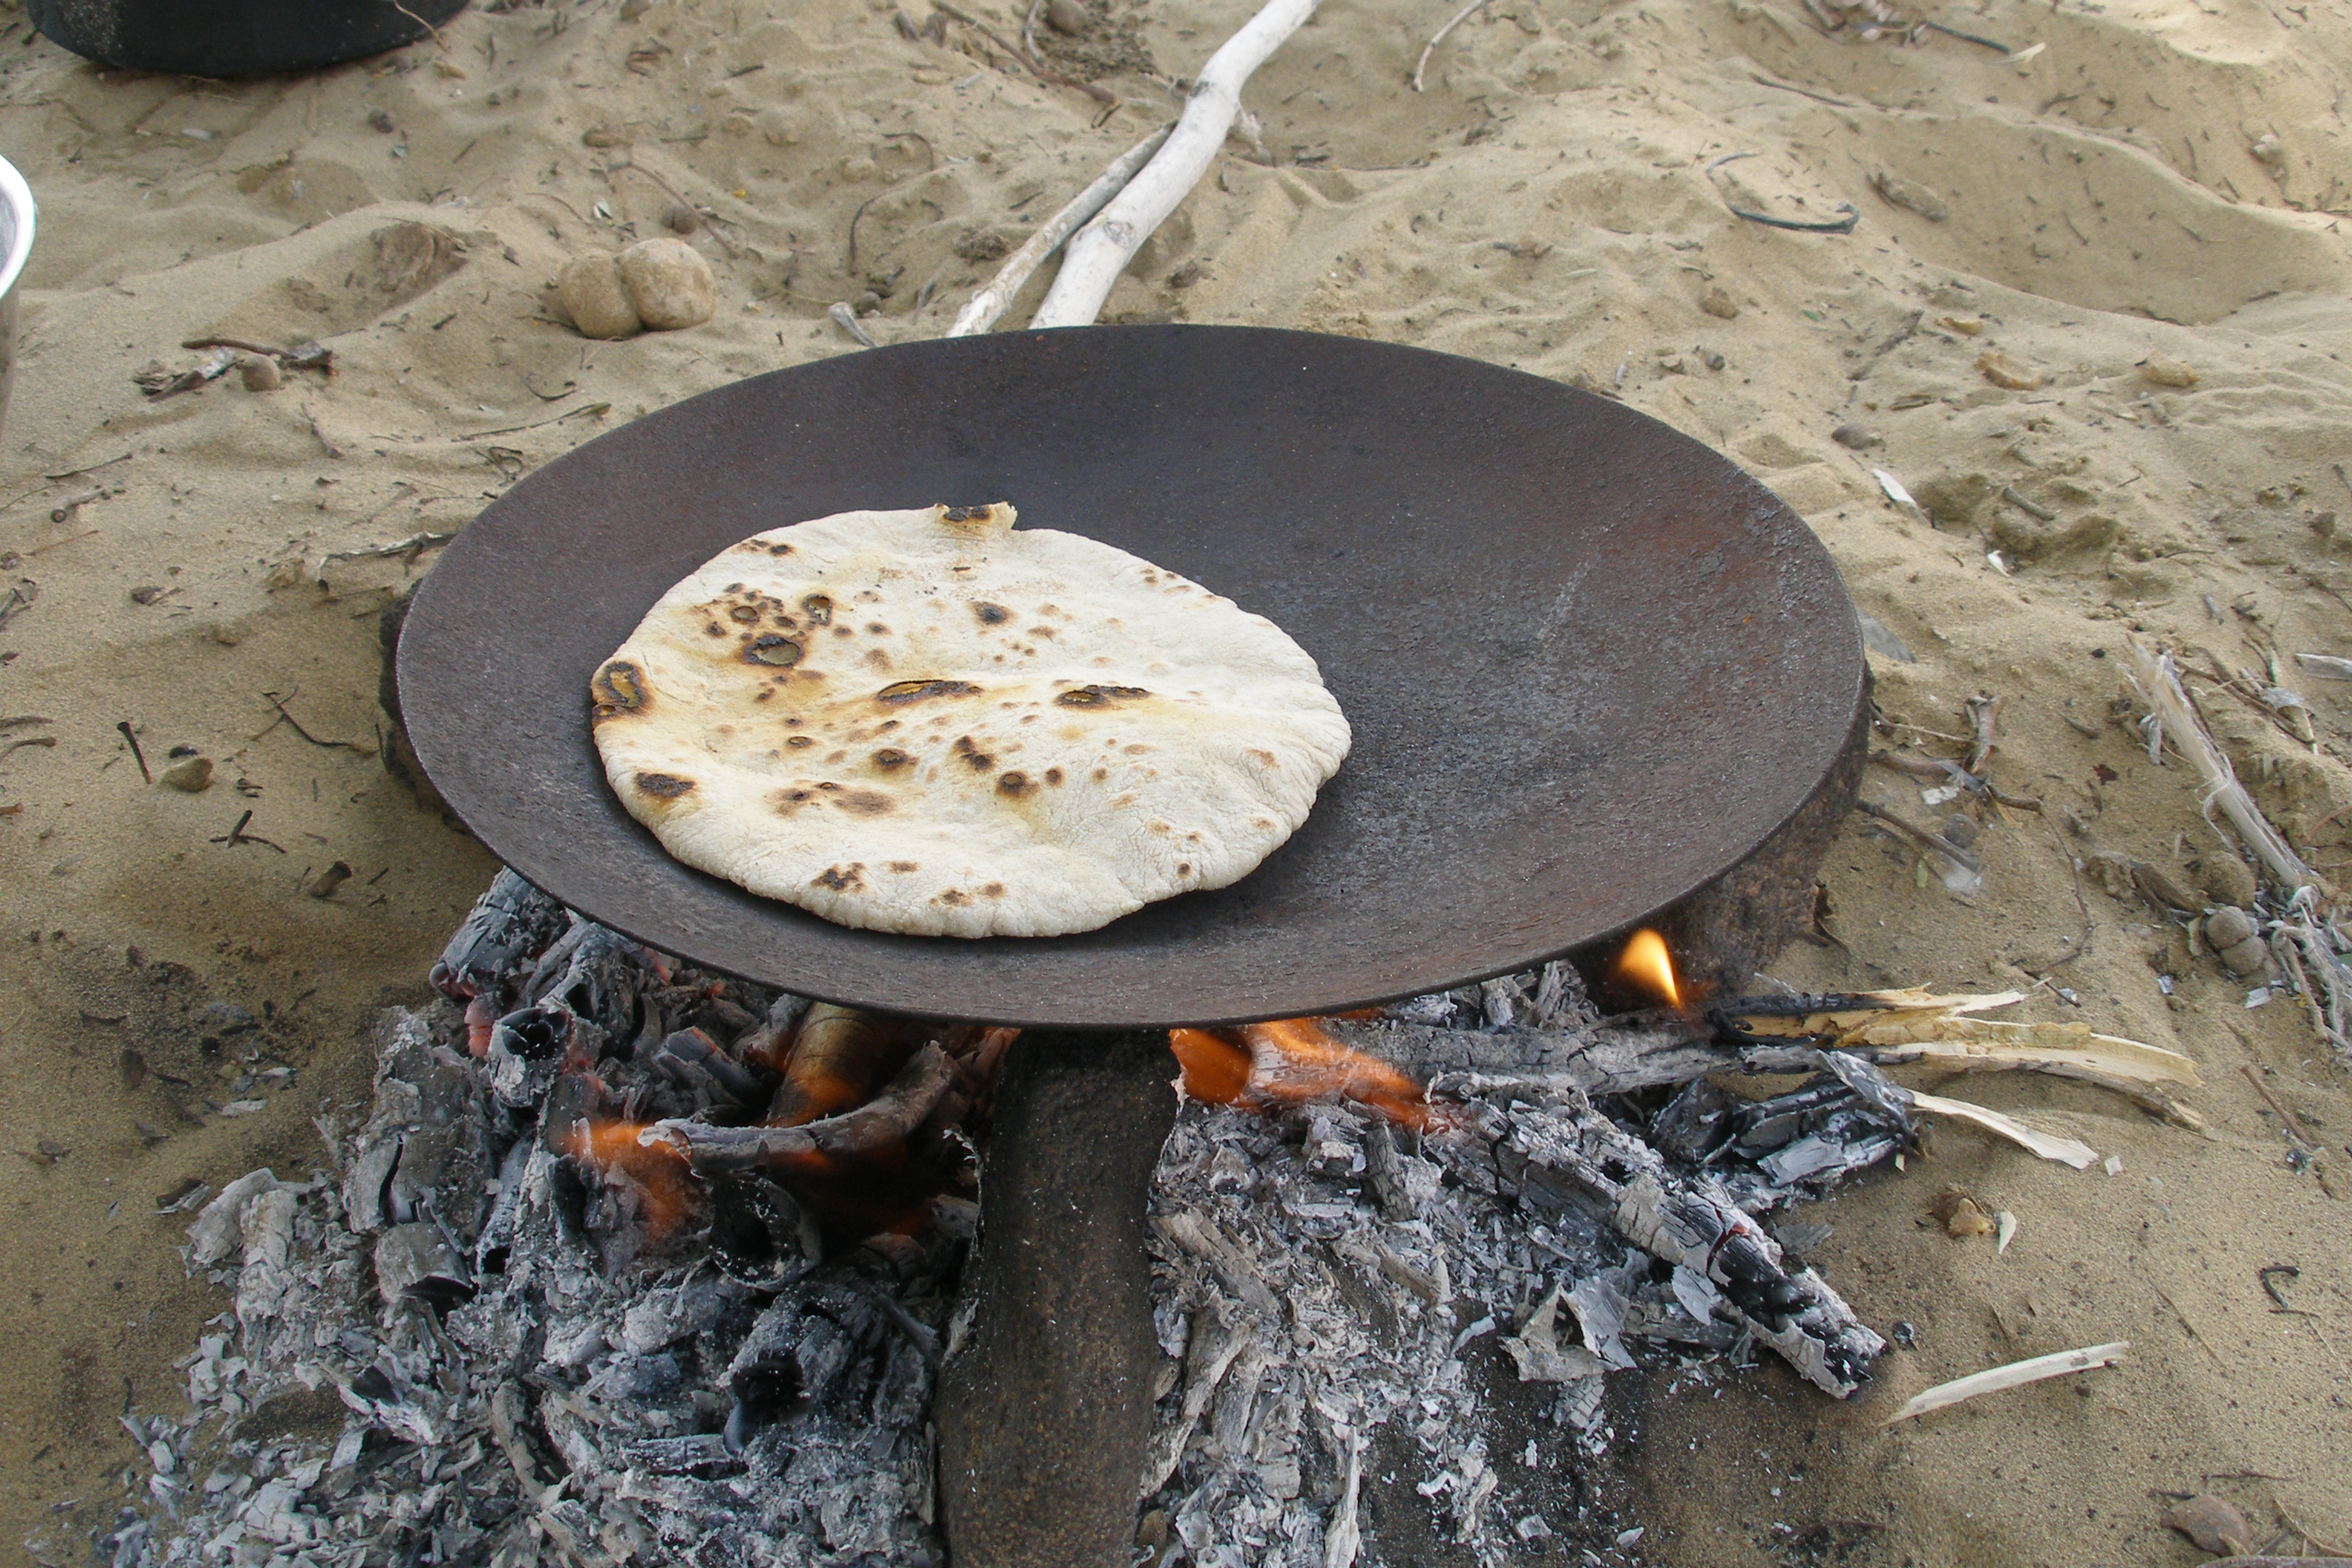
<point x="1044" y="1413"/>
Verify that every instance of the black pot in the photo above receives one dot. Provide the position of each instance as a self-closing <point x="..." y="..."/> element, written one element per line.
<point x="234" y="37"/>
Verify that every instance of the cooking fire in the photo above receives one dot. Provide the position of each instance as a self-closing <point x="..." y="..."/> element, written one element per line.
<point x="631" y="1262"/>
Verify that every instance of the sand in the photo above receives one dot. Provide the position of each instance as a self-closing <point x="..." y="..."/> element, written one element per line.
<point x="2162" y="182"/>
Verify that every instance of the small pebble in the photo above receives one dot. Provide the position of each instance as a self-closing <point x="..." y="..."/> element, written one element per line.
<point x="589" y="289"/>
<point x="669" y="283"/>
<point x="682" y="219"/>
<point x="324" y="885"/>
<point x="2003" y="370"/>
<point x="147" y="594"/>
<point x="865" y="304"/>
<point x="1960" y="830"/>
<point x="260" y="373"/>
<point x="2214" y="1525"/>
<point x="1903" y="1333"/>
<point x="1718" y="302"/>
<point x="2164" y="371"/>
<point x="1065" y="16"/>
<point x="1853" y="436"/>
<point x="190" y="778"/>
<point x="633" y="9"/>
<point x="1713" y="361"/>
<point x="2269" y="151"/>
<point x="600" y="137"/>
<point x="381" y="121"/>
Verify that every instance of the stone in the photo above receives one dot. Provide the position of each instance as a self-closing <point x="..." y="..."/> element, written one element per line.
<point x="590" y="290"/>
<point x="1718" y="302"/>
<point x="260" y="373"/>
<point x="194" y="776"/>
<point x="669" y="284"/>
<point x="2227" y="879"/>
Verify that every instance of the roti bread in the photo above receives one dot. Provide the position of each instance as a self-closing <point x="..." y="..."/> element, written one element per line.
<point x="928" y="723"/>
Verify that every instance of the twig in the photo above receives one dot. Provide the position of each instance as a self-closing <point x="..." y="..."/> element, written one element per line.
<point x="1762" y="81"/>
<point x="1968" y="38"/>
<point x="1029" y="30"/>
<point x="1439" y="37"/>
<point x="237" y="835"/>
<point x="77" y="473"/>
<point x="988" y="306"/>
<point x="1944" y="768"/>
<point x="415" y="545"/>
<point x="136" y="755"/>
<point x="2286" y="1119"/>
<point x="421" y="22"/>
<point x="2080" y="904"/>
<point x="28" y="740"/>
<point x="1840" y="226"/>
<point x="672" y="192"/>
<point x="1100" y="94"/>
<point x="1921" y="837"/>
<point x="2015" y="1375"/>
<point x="597" y="410"/>
<point x="1099" y="252"/>
<point x="2304" y="1531"/>
<point x="288" y="718"/>
<point x="2159" y="683"/>
<point x="2039" y="513"/>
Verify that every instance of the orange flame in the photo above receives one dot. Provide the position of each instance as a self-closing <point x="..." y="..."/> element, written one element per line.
<point x="656" y="1170"/>
<point x="1645" y="966"/>
<point x="1292" y="1061"/>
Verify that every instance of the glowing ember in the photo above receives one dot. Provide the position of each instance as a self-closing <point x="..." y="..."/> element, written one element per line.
<point x="1645" y="966"/>
<point x="655" y="1170"/>
<point x="1292" y="1061"/>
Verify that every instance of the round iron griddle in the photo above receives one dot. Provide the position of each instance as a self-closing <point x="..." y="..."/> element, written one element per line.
<point x="1589" y="665"/>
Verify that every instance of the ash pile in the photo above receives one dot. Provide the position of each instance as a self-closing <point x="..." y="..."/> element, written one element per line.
<point x="609" y="1275"/>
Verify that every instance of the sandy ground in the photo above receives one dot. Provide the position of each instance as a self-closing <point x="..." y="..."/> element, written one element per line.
<point x="2162" y="179"/>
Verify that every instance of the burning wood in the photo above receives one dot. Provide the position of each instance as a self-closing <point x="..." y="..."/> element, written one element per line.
<point x="617" y="1266"/>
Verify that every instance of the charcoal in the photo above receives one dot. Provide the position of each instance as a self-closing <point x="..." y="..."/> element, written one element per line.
<point x="416" y="1262"/>
<point x="760" y="1234"/>
<point x="507" y="925"/>
<point x="527" y="1047"/>
<point x="703" y="1456"/>
<point x="426" y="1147"/>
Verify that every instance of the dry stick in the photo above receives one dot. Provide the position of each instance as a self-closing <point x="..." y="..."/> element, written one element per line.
<point x="991" y="304"/>
<point x="2010" y="1376"/>
<point x="2080" y="904"/>
<point x="1921" y="837"/>
<point x="136" y="755"/>
<point x="1100" y="94"/>
<point x="2285" y="1121"/>
<point x="2159" y="683"/>
<point x="1099" y="252"/>
<point x="1439" y="37"/>
<point x="1029" y="29"/>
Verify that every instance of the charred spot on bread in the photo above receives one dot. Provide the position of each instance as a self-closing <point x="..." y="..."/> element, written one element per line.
<point x="979" y="761"/>
<point x="819" y="609"/>
<point x="663" y="787"/>
<point x="991" y="614"/>
<point x="903" y="691"/>
<point x="1052" y="776"/>
<point x="841" y="879"/>
<point x="1098" y="695"/>
<point x="901" y="867"/>
<point x="618" y="687"/>
<point x="1015" y="785"/>
<point x="866" y="802"/>
<point x="965" y="514"/>
<point x="954" y="898"/>
<point x="890" y="757"/>
<point x="771" y="649"/>
<point x="746" y="614"/>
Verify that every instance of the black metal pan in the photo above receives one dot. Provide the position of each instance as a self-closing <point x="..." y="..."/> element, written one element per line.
<point x="1589" y="663"/>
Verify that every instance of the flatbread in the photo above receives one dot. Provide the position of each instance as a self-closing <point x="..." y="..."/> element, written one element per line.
<point x="928" y="723"/>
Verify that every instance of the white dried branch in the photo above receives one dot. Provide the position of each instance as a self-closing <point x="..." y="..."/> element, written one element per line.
<point x="1438" y="38"/>
<point x="2066" y="1150"/>
<point x="2017" y="1374"/>
<point x="1099" y="252"/>
<point x="991" y="304"/>
<point x="2159" y="682"/>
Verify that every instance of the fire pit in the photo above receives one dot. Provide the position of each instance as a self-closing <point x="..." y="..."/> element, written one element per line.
<point x="1542" y="756"/>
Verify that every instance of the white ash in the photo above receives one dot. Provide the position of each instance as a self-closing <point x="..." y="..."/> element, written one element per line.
<point x="522" y="1372"/>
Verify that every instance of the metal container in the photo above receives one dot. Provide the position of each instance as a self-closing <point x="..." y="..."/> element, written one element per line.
<point x="15" y="245"/>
